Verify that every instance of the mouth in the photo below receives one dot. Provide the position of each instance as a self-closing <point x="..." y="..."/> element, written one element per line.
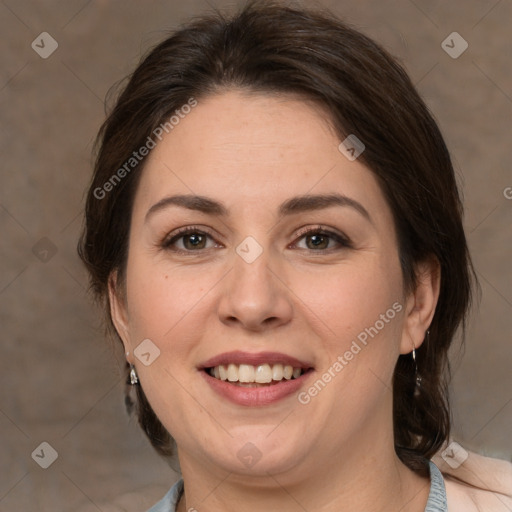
<point x="255" y="378"/>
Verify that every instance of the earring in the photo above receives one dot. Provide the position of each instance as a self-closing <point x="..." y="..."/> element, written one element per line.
<point x="134" y="379"/>
<point x="418" y="377"/>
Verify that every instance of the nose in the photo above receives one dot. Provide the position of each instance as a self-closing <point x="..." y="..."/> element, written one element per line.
<point x="254" y="296"/>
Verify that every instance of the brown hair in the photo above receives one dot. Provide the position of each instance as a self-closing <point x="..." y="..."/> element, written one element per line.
<point x="271" y="48"/>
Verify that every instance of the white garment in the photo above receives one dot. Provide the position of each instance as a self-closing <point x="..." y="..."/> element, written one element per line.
<point x="478" y="484"/>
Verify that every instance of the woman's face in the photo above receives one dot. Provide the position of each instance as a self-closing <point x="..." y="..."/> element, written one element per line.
<point x="290" y="260"/>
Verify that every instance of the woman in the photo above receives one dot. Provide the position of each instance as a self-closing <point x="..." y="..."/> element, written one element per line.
<point x="275" y="230"/>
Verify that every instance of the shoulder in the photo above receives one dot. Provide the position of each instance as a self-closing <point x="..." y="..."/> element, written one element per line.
<point x="135" y="501"/>
<point x="475" y="482"/>
<point x="169" y="503"/>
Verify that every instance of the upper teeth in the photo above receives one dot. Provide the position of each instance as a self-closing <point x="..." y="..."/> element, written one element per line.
<point x="262" y="373"/>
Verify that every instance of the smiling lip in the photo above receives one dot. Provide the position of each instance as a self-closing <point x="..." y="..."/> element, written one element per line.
<point x="254" y="359"/>
<point x="260" y="395"/>
<point x="252" y="396"/>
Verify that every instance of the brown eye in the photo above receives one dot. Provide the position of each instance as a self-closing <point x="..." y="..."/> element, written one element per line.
<point x="194" y="241"/>
<point x="317" y="241"/>
<point x="188" y="240"/>
<point x="322" y="240"/>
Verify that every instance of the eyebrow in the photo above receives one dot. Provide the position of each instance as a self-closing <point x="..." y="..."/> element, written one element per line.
<point x="298" y="204"/>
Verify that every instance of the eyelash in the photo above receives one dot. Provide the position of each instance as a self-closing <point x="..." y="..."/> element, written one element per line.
<point x="342" y="240"/>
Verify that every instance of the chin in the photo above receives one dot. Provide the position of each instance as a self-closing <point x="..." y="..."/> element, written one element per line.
<point x="252" y="451"/>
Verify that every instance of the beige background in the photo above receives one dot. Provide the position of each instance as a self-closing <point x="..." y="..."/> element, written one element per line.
<point x="58" y="378"/>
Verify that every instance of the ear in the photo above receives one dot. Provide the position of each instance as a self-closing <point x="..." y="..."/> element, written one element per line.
<point x="421" y="304"/>
<point x="118" y="310"/>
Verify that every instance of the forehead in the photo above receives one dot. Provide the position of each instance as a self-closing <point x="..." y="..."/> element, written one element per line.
<point x="253" y="148"/>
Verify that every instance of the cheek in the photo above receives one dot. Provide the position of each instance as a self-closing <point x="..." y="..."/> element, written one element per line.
<point x="358" y="311"/>
<point x="166" y="306"/>
<point x="160" y="299"/>
<point x="171" y="306"/>
<point x="348" y="299"/>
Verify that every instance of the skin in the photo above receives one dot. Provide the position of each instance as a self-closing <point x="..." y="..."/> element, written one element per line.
<point x="252" y="152"/>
